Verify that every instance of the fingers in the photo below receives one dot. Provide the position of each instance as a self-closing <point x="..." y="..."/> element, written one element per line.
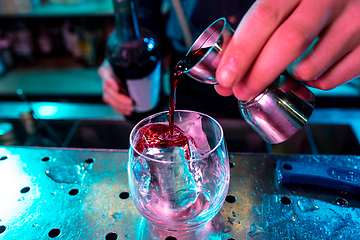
<point x="341" y="72"/>
<point x="111" y="91"/>
<point x="223" y="91"/>
<point x="253" y="32"/>
<point x="107" y="76"/>
<point x="279" y="36"/>
<point x="119" y="102"/>
<point x="337" y="40"/>
<point x="287" y="44"/>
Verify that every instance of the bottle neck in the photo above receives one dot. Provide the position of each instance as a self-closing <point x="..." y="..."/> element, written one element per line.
<point x="127" y="26"/>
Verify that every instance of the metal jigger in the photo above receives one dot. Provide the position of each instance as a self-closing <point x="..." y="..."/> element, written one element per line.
<point x="278" y="112"/>
<point x="216" y="37"/>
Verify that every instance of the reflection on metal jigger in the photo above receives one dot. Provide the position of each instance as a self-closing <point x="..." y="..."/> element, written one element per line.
<point x="279" y="111"/>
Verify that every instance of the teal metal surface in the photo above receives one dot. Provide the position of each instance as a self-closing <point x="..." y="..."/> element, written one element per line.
<point x="83" y="194"/>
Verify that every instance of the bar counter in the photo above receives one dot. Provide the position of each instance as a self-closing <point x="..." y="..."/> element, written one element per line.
<point x="54" y="193"/>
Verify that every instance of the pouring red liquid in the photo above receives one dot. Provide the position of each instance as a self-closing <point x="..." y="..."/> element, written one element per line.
<point x="163" y="135"/>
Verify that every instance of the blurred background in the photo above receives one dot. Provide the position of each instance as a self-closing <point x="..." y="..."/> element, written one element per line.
<point x="49" y="54"/>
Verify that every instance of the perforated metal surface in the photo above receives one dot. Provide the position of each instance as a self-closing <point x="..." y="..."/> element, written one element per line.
<point x="36" y="203"/>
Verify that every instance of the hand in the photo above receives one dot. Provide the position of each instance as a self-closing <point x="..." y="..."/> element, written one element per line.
<point x="111" y="91"/>
<point x="318" y="42"/>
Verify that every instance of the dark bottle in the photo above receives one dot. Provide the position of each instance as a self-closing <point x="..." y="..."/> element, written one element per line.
<point x="34" y="135"/>
<point x="134" y="56"/>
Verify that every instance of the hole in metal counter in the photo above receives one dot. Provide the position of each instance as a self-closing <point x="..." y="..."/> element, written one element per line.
<point x="90" y="160"/>
<point x="170" y="238"/>
<point x="124" y="195"/>
<point x="45" y="159"/>
<point x="232" y="164"/>
<point x="111" y="236"/>
<point x="73" y="192"/>
<point x="285" y="200"/>
<point x="341" y="202"/>
<point x="54" y="233"/>
<point x="2" y="229"/>
<point x="25" y="190"/>
<point x="230" y="199"/>
<point x="3" y="158"/>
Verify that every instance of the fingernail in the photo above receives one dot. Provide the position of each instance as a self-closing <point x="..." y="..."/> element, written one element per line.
<point x="226" y="76"/>
<point x="227" y="73"/>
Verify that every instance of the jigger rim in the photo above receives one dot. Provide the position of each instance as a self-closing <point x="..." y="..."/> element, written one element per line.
<point x="147" y="121"/>
<point x="196" y="42"/>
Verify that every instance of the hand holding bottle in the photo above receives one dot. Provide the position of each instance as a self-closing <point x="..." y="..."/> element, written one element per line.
<point x="111" y="91"/>
<point x="133" y="56"/>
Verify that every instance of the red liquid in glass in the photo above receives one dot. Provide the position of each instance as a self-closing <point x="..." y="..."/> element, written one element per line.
<point x="157" y="135"/>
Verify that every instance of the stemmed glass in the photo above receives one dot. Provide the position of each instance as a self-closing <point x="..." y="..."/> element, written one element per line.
<point x="177" y="193"/>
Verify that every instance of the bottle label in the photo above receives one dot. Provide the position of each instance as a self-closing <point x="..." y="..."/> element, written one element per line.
<point x="146" y="91"/>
